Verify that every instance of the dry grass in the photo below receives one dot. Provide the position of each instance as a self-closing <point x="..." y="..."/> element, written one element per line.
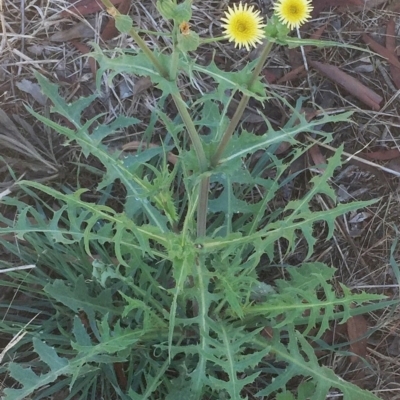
<point x="359" y="251"/>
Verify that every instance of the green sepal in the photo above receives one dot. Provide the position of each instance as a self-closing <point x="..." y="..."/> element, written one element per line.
<point x="166" y="8"/>
<point x="189" y="42"/>
<point x="123" y="23"/>
<point x="276" y="31"/>
<point x="178" y="12"/>
<point x="183" y="12"/>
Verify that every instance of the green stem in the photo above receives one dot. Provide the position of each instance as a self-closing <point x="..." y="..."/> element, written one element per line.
<point x="181" y="106"/>
<point x="203" y="164"/>
<point x="173" y="72"/>
<point x="241" y="107"/>
<point x="191" y="129"/>
<point x="150" y="55"/>
<point x="202" y="207"/>
<point x="140" y="42"/>
<point x="212" y="39"/>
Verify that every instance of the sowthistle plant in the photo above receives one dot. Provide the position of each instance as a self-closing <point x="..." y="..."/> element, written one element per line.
<point x="163" y="299"/>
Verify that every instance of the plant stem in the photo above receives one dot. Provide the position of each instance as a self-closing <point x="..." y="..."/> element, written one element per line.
<point x="202" y="207"/>
<point x="173" y="72"/>
<point x="212" y="39"/>
<point x="203" y="164"/>
<point x="140" y="42"/>
<point x="181" y="106"/>
<point x="241" y="107"/>
<point x="143" y="46"/>
<point x="191" y="129"/>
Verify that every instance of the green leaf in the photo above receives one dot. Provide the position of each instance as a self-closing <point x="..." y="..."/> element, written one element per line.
<point x="31" y="382"/>
<point x="183" y="11"/>
<point x="138" y="190"/>
<point x="230" y="355"/>
<point x="137" y="64"/>
<point x="285" y="396"/>
<point x="77" y="298"/>
<point x="248" y="143"/>
<point x="301" y="294"/>
<point x="232" y="80"/>
<point x="307" y="365"/>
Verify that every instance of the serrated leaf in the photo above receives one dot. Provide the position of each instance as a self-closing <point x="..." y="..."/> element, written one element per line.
<point x="137" y="189"/>
<point x="248" y="143"/>
<point x="233" y="80"/>
<point x="138" y="65"/>
<point x="77" y="298"/>
<point x="324" y="378"/>
<point x="31" y="382"/>
<point x="301" y="295"/>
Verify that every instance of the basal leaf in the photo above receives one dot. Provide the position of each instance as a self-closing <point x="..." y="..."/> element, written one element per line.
<point x="324" y="378"/>
<point x="28" y="379"/>
<point x="78" y="298"/>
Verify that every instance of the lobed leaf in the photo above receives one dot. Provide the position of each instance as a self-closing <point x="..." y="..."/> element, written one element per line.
<point x="28" y="379"/>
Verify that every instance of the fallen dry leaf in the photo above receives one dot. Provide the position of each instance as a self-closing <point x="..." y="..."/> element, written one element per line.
<point x="317" y="157"/>
<point x="320" y="5"/>
<point x="142" y="84"/>
<point x="269" y="76"/>
<point x="382" y="51"/>
<point x="80" y="30"/>
<point x="121" y="375"/>
<point x="293" y="74"/>
<point x="391" y="46"/>
<point x="394" y="6"/>
<point x="110" y="31"/>
<point x="381" y="155"/>
<point x="85" y="50"/>
<point x="356" y="331"/>
<point x="85" y="7"/>
<point x="394" y="164"/>
<point x="267" y="332"/>
<point x="33" y="89"/>
<point x="347" y="82"/>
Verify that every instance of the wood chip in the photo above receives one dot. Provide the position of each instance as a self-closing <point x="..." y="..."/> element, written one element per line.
<point x="350" y="84"/>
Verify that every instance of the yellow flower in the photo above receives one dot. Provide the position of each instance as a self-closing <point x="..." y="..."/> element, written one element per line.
<point x="293" y="13"/>
<point x="243" y="26"/>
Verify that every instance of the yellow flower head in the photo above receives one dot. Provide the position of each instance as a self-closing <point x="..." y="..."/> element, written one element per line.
<point x="293" y="13"/>
<point x="243" y="26"/>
